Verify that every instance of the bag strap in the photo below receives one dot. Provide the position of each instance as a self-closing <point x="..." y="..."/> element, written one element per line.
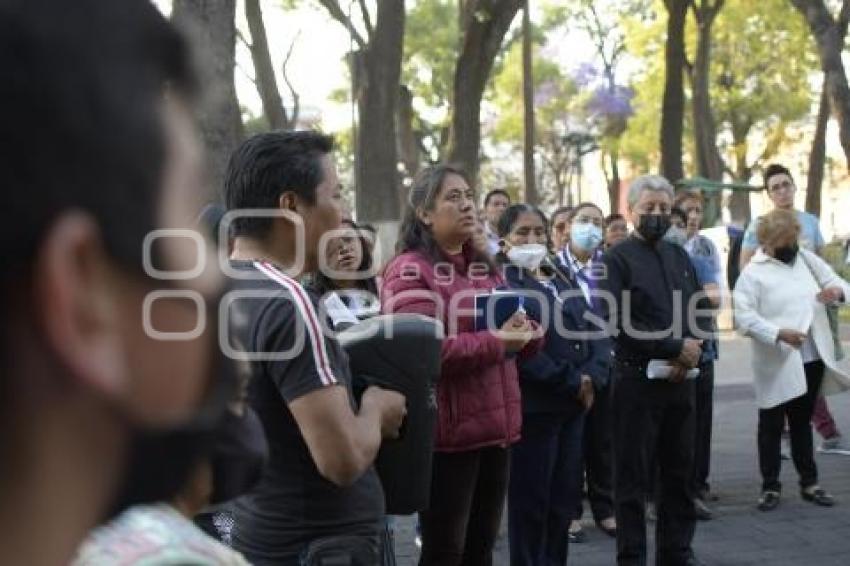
<point x="812" y="271"/>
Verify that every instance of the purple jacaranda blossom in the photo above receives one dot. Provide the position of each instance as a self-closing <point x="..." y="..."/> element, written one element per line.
<point x="545" y="93"/>
<point x="611" y="103"/>
<point x="585" y="74"/>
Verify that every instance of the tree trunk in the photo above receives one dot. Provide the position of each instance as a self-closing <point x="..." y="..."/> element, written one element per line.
<point x="212" y="31"/>
<point x="708" y="160"/>
<point x="408" y="148"/>
<point x="739" y="205"/>
<point x="673" y="103"/>
<point x="485" y="24"/>
<point x="817" y="158"/>
<point x="263" y="68"/>
<point x="376" y="169"/>
<point x="531" y="196"/>
<point x="830" y="42"/>
<point x="614" y="181"/>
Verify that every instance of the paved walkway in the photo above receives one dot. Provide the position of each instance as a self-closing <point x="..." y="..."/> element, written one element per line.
<point x="795" y="534"/>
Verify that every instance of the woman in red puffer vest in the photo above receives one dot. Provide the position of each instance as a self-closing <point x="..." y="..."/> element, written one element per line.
<point x="437" y="274"/>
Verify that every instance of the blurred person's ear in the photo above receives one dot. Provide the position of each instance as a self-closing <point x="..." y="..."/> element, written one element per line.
<point x="75" y="304"/>
<point x="288" y="201"/>
<point x="425" y="216"/>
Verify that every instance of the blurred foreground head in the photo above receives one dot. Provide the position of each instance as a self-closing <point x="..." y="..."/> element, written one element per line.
<point x="106" y="344"/>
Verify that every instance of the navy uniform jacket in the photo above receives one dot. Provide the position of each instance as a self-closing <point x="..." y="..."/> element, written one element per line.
<point x="550" y="380"/>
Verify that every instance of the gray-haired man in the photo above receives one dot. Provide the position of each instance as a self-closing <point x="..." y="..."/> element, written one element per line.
<point x="652" y="283"/>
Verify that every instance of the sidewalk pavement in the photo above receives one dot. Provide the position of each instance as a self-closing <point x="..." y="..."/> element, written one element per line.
<point x="795" y="534"/>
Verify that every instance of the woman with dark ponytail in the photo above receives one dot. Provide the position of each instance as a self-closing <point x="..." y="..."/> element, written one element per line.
<point x="437" y="273"/>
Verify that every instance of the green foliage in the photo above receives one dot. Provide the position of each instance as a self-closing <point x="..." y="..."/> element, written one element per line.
<point x="762" y="62"/>
<point x="554" y="94"/>
<point x="645" y="34"/>
<point x="431" y="42"/>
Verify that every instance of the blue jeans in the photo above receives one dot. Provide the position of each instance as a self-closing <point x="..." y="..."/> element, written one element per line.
<point x="545" y="488"/>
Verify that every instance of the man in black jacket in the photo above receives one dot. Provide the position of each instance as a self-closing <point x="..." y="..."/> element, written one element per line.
<point x="653" y="296"/>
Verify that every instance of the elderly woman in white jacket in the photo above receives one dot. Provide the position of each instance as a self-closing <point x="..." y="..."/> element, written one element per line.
<point x="780" y="301"/>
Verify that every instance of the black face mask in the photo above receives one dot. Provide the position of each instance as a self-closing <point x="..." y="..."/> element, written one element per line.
<point x="786" y="254"/>
<point x="653" y="226"/>
<point x="239" y="455"/>
<point x="160" y="461"/>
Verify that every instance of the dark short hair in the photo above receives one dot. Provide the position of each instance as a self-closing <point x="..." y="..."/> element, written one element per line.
<point x="265" y="166"/>
<point x="585" y="204"/>
<point x="568" y="210"/>
<point x="82" y="86"/>
<point x="495" y="192"/>
<point x="676" y="211"/>
<point x="775" y="169"/>
<point x="616" y="217"/>
<point x="513" y="212"/>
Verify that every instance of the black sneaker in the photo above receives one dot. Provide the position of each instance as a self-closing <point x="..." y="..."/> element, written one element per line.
<point x="707" y="495"/>
<point x="818" y="496"/>
<point x="576" y="534"/>
<point x="768" y="501"/>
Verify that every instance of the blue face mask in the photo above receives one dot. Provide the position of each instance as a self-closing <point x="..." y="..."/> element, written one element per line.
<point x="676" y="235"/>
<point x="586" y="236"/>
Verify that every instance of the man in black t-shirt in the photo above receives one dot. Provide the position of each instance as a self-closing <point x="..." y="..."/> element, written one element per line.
<point x="319" y="484"/>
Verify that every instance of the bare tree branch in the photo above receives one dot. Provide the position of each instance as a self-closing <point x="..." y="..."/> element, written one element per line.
<point x="367" y="19"/>
<point x="296" y="98"/>
<point x="336" y="12"/>
<point x="242" y="39"/>
<point x="844" y="18"/>
<point x="245" y="72"/>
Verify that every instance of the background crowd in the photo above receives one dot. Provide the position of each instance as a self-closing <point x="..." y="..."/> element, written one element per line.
<point x="250" y="439"/>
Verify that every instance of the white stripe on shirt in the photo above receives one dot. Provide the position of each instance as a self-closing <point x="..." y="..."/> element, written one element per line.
<point x="308" y="313"/>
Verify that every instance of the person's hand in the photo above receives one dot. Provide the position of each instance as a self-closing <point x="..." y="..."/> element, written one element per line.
<point x="831" y="295"/>
<point x="516" y="332"/>
<point x="586" y="394"/>
<point x="690" y="354"/>
<point x="793" y="338"/>
<point x="678" y="373"/>
<point x="391" y="405"/>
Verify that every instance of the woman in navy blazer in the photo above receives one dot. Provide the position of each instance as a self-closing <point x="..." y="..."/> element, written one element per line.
<point x="557" y="388"/>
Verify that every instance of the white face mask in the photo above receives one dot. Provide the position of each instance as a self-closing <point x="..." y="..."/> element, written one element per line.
<point x="527" y="256"/>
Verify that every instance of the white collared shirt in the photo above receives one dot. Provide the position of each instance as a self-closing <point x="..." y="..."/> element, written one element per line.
<point x="577" y="267"/>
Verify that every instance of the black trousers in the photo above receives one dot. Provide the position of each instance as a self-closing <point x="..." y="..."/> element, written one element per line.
<point x="799" y="414"/>
<point x="467" y="497"/>
<point x="703" y="417"/>
<point x="653" y="417"/>
<point x="598" y="467"/>
<point x="545" y="487"/>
